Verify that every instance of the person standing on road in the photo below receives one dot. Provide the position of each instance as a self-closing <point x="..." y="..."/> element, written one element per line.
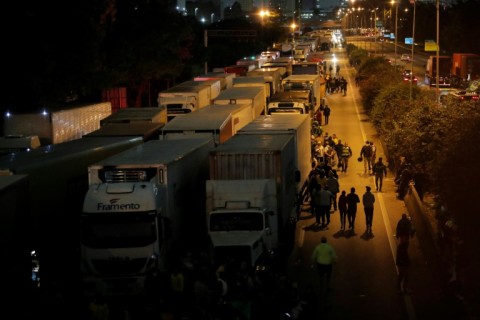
<point x="366" y="153"/>
<point x="404" y="229"/>
<point x="338" y="150"/>
<point x="324" y="257"/>
<point x="352" y="200"/>
<point x="342" y="208"/>
<point x="402" y="260"/>
<point x="324" y="201"/>
<point x="374" y="152"/>
<point x="346" y="154"/>
<point x="368" y="200"/>
<point x="334" y="187"/>
<point x="380" y="170"/>
<point x="326" y="114"/>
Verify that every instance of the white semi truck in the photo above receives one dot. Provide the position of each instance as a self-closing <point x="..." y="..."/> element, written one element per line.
<point x="251" y="198"/>
<point x="182" y="99"/>
<point x="226" y="79"/>
<point x="56" y="126"/>
<point x="253" y="96"/>
<point x="142" y="207"/>
<point x="298" y="126"/>
<point x="220" y="122"/>
<point x="57" y="183"/>
<point x="291" y="102"/>
<point x="305" y="82"/>
<point x="273" y="76"/>
<point x="252" y="81"/>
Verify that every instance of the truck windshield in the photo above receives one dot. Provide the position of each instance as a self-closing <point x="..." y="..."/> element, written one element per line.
<point x="118" y="231"/>
<point x="237" y="221"/>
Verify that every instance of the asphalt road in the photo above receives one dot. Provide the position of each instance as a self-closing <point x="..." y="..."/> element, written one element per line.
<point x="364" y="282"/>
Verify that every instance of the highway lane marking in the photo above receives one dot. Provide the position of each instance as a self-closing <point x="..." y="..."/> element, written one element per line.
<point x="406" y="298"/>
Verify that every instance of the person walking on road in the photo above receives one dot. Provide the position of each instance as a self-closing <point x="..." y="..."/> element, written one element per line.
<point x="326" y="114"/>
<point x="352" y="200"/>
<point x="380" y="171"/>
<point x="366" y="153"/>
<point x="342" y="208"/>
<point x="402" y="260"/>
<point x="346" y="154"/>
<point x="324" y="257"/>
<point x="334" y="187"/>
<point x="404" y="229"/>
<point x="324" y="202"/>
<point x="368" y="200"/>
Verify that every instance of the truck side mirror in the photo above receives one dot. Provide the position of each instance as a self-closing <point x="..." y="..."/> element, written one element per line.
<point x="298" y="176"/>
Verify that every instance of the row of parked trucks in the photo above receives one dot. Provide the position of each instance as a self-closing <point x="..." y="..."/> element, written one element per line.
<point x="183" y="192"/>
<point x="222" y="177"/>
<point x="223" y="159"/>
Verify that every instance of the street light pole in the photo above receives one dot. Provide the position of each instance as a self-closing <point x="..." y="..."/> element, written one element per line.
<point x="413" y="48"/>
<point x="396" y="30"/>
<point x="437" y="89"/>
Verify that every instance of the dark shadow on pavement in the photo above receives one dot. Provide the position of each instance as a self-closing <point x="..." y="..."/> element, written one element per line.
<point x="367" y="236"/>
<point x="315" y="227"/>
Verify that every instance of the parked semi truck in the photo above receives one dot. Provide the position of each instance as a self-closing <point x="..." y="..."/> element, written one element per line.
<point x="15" y="246"/>
<point x="57" y="183"/>
<point x="291" y="102"/>
<point x="310" y="82"/>
<point x="251" y="198"/>
<point x="57" y="126"/>
<point x="219" y="122"/>
<point x="182" y="99"/>
<point x="18" y="143"/>
<point x="466" y="66"/>
<point x="251" y="81"/>
<point x="272" y="76"/>
<point x="444" y="68"/>
<point x="141" y="209"/>
<point x="131" y="115"/>
<point x="305" y="67"/>
<point x="284" y="63"/>
<point x="298" y="126"/>
<point x="253" y="96"/>
<point x="226" y="79"/>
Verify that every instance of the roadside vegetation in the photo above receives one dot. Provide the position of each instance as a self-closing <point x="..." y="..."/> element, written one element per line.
<point x="439" y="140"/>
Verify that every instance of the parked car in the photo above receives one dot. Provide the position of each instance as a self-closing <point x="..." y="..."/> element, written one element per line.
<point x="466" y="95"/>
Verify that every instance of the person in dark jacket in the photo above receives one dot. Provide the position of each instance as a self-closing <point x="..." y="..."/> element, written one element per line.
<point x="342" y="208"/>
<point x="326" y="114"/>
<point x="352" y="200"/>
<point x="368" y="204"/>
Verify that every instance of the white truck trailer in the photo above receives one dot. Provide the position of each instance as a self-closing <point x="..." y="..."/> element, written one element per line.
<point x="132" y="115"/>
<point x="57" y="183"/>
<point x="182" y="99"/>
<point x="251" y="81"/>
<point x="57" y="126"/>
<point x="251" y="197"/>
<point x="291" y="102"/>
<point x="220" y="122"/>
<point x="18" y="143"/>
<point x="215" y="85"/>
<point x="305" y="82"/>
<point x="142" y="208"/>
<point x="226" y="79"/>
<point x="273" y="76"/>
<point x="298" y="126"/>
<point x="253" y="96"/>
